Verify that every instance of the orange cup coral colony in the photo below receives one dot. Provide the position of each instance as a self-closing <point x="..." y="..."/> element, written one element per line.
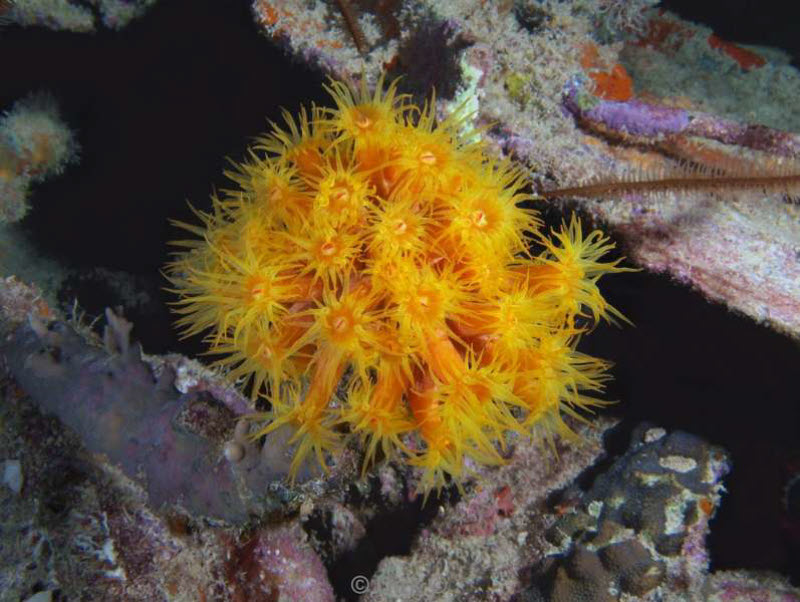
<point x="377" y="275"/>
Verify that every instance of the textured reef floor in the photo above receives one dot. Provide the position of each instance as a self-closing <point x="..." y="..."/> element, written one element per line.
<point x="128" y="495"/>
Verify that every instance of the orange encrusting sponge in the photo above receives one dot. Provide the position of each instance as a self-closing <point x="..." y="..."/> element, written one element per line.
<point x="376" y="275"/>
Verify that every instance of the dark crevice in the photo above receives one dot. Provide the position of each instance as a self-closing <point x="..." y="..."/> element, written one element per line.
<point x="391" y="531"/>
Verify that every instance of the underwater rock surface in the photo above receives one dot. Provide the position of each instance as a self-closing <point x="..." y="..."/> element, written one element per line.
<point x="173" y="444"/>
<point x="640" y="529"/>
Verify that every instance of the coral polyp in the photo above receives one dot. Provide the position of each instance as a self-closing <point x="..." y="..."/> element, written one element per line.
<point x="377" y="276"/>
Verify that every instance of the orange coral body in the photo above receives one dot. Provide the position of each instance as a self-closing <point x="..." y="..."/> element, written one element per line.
<point x="374" y="276"/>
<point x="609" y="84"/>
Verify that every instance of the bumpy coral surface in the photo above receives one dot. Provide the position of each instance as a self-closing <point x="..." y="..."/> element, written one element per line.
<point x="376" y="275"/>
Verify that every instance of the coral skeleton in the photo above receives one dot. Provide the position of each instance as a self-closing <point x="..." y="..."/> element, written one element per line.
<point x="377" y="276"/>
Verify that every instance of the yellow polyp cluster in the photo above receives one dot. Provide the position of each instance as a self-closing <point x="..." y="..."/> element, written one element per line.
<point x="378" y="277"/>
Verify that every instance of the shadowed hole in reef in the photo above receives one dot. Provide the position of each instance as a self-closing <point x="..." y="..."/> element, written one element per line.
<point x="390" y="532"/>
